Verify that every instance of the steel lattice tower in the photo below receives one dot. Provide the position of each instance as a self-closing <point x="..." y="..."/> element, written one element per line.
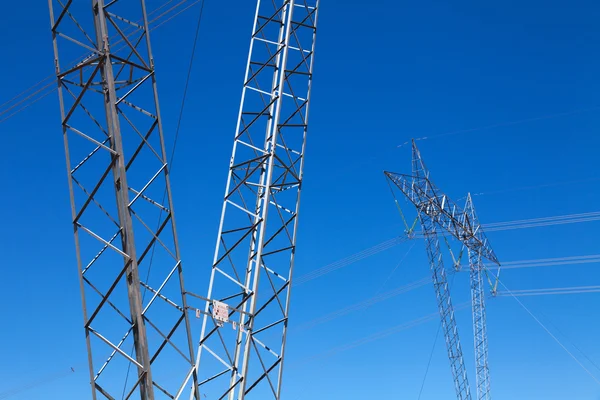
<point x="435" y="209"/>
<point x="127" y="251"/>
<point x="476" y="271"/>
<point x="242" y="345"/>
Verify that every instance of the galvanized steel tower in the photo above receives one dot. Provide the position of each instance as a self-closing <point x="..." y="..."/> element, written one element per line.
<point x="437" y="211"/>
<point x="130" y="270"/>
<point x="242" y="346"/>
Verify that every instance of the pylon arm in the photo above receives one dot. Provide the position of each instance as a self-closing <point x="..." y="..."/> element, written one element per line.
<point x="447" y="213"/>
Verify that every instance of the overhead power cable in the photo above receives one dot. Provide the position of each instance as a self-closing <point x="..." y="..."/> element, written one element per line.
<point x="171" y="159"/>
<point x="419" y="321"/>
<point x="571" y="342"/>
<point x="505" y="124"/>
<point x="380" y="297"/>
<point x="344" y="262"/>
<point x="549" y="262"/>
<point x="382" y="334"/>
<point x="551" y="291"/>
<point x="437" y="334"/>
<point x="364" y="304"/>
<point x="550" y="333"/>
<point x="37" y="383"/>
<point x="493" y="227"/>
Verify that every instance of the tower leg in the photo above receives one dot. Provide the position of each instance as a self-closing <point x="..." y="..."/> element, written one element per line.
<point x="479" y="326"/>
<point x="130" y="272"/>
<point x="442" y="292"/>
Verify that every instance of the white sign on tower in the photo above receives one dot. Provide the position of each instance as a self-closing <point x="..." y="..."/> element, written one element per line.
<point x="220" y="311"/>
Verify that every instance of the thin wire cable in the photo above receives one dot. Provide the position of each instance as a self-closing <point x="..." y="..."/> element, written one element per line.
<point x="551" y="334"/>
<point x="548" y="261"/>
<point x="187" y="81"/>
<point x="552" y="291"/>
<point x="433" y="347"/>
<point x="571" y="342"/>
<point x="537" y="222"/>
<point x="38" y="382"/>
<point x="178" y="13"/>
<point x="379" y="297"/>
<point x="495" y="227"/>
<point x="3" y="112"/>
<point x="362" y="305"/>
<point x="437" y="334"/>
<point x="395" y="269"/>
<point x="380" y="335"/>
<point x="504" y="124"/>
<point x="26" y="106"/>
<point x="344" y="262"/>
<point x="542" y="219"/>
<point x="544" y="185"/>
<point x="170" y="168"/>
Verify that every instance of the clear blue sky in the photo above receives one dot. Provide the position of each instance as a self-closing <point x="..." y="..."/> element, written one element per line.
<point x="386" y="71"/>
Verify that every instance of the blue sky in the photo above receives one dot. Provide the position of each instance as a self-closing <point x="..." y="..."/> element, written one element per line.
<point x="385" y="73"/>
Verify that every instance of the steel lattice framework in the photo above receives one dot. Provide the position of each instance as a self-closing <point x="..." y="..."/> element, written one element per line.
<point x="127" y="252"/>
<point x="435" y="209"/>
<point x="243" y="337"/>
<point x="477" y="247"/>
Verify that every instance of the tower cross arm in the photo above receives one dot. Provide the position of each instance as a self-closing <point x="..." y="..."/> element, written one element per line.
<point x="460" y="223"/>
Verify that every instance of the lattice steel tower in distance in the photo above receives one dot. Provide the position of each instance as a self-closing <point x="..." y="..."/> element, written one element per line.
<point x="243" y="338"/>
<point x="136" y="324"/>
<point x="437" y="211"/>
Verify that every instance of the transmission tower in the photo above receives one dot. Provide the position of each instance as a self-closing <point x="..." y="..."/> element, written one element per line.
<point x="436" y="210"/>
<point x="137" y="329"/>
<point x="243" y="337"/>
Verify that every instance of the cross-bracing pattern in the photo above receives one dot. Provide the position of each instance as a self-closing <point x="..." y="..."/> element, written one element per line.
<point x="435" y="209"/>
<point x="244" y="329"/>
<point x="137" y="330"/>
<point x="445" y="308"/>
<point x="476" y="271"/>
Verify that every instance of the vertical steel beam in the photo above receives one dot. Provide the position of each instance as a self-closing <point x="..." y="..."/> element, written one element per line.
<point x="134" y="301"/>
<point x="119" y="172"/>
<point x="241" y="356"/>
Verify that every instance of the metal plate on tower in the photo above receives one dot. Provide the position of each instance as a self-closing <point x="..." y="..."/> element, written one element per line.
<point x="220" y="311"/>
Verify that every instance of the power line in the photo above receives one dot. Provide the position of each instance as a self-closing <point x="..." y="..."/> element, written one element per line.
<point x="437" y="334"/>
<point x="364" y="304"/>
<point x="550" y="262"/>
<point x="543" y="185"/>
<point x="344" y="262"/>
<point x="550" y="333"/>
<point x="177" y="130"/>
<point x="551" y="291"/>
<point x="571" y="342"/>
<point x="505" y="124"/>
<point x="492" y="227"/>
<point x="395" y="269"/>
<point x="380" y="297"/>
<point x="382" y="334"/>
<point x="419" y="321"/>
<point x="38" y="382"/>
